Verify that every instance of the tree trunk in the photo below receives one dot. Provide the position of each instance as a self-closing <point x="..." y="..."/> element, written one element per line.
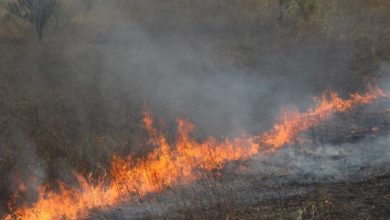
<point x="39" y="32"/>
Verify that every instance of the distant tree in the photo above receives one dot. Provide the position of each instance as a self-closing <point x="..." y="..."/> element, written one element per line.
<point x="303" y="8"/>
<point x="36" y="12"/>
<point x="306" y="8"/>
<point x="88" y="4"/>
<point x="283" y="6"/>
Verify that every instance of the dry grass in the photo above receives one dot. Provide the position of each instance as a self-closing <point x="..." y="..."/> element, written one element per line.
<point x="55" y="118"/>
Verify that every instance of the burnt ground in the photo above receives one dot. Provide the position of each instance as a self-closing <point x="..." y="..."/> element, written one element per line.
<point x="72" y="100"/>
<point x="293" y="199"/>
<point x="341" y="171"/>
<point x="366" y="199"/>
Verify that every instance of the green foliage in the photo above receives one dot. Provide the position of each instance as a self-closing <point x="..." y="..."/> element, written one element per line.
<point x="37" y="12"/>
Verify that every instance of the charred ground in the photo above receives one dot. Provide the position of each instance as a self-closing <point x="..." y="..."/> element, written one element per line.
<point x="71" y="100"/>
<point x="303" y="181"/>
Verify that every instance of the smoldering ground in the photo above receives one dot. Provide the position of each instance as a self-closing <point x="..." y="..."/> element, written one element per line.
<point x="294" y="172"/>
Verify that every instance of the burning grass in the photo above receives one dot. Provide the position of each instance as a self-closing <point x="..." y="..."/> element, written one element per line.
<point x="183" y="162"/>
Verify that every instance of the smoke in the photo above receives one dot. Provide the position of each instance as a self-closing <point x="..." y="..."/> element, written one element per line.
<point x="335" y="162"/>
<point x="26" y="173"/>
<point x="225" y="83"/>
<point x="226" y="68"/>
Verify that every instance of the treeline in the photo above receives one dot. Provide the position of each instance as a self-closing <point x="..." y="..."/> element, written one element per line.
<point x="50" y="14"/>
<point x="75" y="75"/>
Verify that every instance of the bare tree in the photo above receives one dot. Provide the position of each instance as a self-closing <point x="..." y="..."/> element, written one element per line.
<point x="88" y="4"/>
<point x="303" y="8"/>
<point x="306" y="8"/>
<point x="283" y="6"/>
<point x="36" y="12"/>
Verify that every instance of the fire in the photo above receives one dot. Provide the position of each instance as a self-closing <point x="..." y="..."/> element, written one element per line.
<point x="294" y="122"/>
<point x="183" y="162"/>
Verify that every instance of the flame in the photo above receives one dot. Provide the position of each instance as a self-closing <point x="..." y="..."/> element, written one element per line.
<point x="182" y="162"/>
<point x="293" y="122"/>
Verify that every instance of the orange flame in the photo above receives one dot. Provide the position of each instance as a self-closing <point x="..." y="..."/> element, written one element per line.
<point x="293" y="123"/>
<point x="183" y="162"/>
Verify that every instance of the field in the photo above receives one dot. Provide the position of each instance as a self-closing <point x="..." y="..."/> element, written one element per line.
<point x="270" y="109"/>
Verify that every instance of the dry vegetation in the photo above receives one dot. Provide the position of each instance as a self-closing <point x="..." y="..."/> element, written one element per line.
<point x="65" y="104"/>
